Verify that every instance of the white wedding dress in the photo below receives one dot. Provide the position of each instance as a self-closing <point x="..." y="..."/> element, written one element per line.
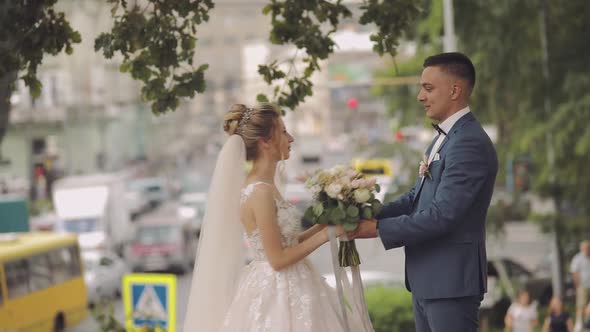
<point x="295" y="299"/>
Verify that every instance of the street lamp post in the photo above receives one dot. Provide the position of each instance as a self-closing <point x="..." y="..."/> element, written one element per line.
<point x="449" y="39"/>
<point x="556" y="246"/>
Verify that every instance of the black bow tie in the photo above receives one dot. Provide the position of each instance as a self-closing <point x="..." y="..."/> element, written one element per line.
<point x="439" y="129"/>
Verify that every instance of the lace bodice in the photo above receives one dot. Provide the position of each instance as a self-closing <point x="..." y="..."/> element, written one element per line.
<point x="295" y="298"/>
<point x="288" y="218"/>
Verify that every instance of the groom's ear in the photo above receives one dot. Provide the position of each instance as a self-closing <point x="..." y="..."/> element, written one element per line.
<point x="456" y="91"/>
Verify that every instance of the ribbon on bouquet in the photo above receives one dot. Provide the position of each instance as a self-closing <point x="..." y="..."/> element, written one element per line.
<point x="357" y="291"/>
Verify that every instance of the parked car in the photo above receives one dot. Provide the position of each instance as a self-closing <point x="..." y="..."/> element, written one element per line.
<point x="163" y="242"/>
<point x="539" y="286"/>
<point x="137" y="202"/>
<point x="154" y="189"/>
<point x="103" y="275"/>
<point x="192" y="208"/>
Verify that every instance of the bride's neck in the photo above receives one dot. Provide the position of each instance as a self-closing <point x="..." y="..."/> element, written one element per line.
<point x="263" y="170"/>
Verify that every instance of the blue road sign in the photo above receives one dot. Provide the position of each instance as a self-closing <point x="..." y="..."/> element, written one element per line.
<point x="150" y="300"/>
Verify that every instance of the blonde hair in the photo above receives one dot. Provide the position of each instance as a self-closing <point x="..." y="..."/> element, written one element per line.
<point x="252" y="124"/>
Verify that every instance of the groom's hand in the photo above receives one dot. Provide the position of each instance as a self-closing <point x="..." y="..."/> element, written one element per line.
<point x="366" y="229"/>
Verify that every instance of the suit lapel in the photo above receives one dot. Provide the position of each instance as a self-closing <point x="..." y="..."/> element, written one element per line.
<point x="431" y="146"/>
<point x="442" y="143"/>
<point x="460" y="123"/>
<point x="424" y="177"/>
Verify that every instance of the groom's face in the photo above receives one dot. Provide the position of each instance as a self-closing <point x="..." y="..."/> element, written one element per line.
<point x="435" y="93"/>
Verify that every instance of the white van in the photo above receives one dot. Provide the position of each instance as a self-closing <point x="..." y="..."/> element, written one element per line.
<point x="94" y="206"/>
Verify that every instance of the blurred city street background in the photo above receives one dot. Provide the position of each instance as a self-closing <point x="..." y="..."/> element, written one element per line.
<point x="88" y="157"/>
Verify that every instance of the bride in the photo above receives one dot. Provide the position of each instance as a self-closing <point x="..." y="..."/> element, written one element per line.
<point x="279" y="290"/>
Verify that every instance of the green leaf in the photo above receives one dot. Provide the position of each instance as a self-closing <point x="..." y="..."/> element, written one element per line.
<point x="351" y="219"/>
<point x="352" y="211"/>
<point x="337" y="214"/>
<point x="376" y="206"/>
<point x="309" y="214"/>
<point x="124" y="67"/>
<point x="34" y="87"/>
<point x="318" y="209"/>
<point x="377" y="188"/>
<point x="261" y="98"/>
<point x="367" y="212"/>
<point x="350" y="226"/>
<point x="323" y="219"/>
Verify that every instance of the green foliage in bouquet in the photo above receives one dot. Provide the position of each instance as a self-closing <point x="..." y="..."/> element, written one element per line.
<point x="342" y="196"/>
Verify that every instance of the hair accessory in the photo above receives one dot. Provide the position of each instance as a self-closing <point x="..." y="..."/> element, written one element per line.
<point x="245" y="119"/>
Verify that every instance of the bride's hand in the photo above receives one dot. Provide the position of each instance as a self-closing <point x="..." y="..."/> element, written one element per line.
<point x="339" y="231"/>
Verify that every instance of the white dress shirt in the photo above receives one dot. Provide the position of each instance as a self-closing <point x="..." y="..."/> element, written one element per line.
<point x="446" y="127"/>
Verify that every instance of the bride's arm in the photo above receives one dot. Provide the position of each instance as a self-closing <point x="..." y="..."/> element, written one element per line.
<point x="264" y="209"/>
<point x="311" y="231"/>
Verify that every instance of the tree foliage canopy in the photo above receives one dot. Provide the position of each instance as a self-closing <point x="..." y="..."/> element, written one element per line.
<point x="503" y="39"/>
<point x="28" y="31"/>
<point x="157" y="40"/>
<point x="308" y="25"/>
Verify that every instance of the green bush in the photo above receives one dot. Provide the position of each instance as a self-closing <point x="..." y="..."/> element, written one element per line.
<point x="390" y="309"/>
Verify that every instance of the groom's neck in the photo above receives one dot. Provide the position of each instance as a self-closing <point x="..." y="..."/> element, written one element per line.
<point x="454" y="109"/>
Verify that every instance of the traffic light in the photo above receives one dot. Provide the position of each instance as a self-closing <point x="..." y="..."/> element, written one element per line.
<point x="352" y="103"/>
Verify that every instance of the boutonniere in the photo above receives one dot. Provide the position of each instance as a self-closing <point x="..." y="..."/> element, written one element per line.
<point x="424" y="169"/>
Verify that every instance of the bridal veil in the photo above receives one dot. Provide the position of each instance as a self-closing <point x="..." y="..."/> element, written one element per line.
<point x="221" y="246"/>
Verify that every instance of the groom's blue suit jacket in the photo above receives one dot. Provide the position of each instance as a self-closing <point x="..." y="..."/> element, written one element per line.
<point x="441" y="221"/>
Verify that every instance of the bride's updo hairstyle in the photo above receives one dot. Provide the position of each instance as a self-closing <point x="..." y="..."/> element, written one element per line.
<point x="252" y="124"/>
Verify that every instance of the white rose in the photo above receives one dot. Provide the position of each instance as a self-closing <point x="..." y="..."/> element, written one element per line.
<point x="333" y="190"/>
<point x="351" y="173"/>
<point x="362" y="195"/>
<point x="316" y="189"/>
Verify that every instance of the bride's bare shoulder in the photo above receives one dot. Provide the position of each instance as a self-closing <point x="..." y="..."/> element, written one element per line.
<point x="258" y="196"/>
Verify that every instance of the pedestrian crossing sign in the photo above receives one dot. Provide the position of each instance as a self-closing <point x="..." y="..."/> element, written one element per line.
<point x="150" y="301"/>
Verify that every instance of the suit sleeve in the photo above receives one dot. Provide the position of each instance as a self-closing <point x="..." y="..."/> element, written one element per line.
<point x="467" y="169"/>
<point x="402" y="205"/>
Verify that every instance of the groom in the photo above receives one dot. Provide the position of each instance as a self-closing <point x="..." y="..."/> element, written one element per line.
<point x="441" y="220"/>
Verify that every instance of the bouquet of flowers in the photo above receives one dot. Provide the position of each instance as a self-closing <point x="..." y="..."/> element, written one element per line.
<point x="342" y="196"/>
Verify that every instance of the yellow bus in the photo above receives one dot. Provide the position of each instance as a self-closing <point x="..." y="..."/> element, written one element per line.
<point x="41" y="282"/>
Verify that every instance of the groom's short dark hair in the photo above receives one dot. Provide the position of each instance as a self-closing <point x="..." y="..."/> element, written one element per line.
<point x="454" y="63"/>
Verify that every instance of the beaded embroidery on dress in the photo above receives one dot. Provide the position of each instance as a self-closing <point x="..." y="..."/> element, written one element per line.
<point x="295" y="299"/>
